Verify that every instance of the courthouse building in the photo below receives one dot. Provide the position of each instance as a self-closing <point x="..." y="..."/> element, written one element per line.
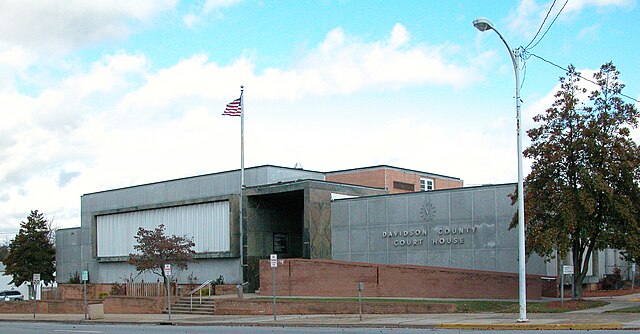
<point x="379" y="214"/>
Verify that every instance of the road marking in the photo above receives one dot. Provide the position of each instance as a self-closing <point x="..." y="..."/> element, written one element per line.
<point x="75" y="331"/>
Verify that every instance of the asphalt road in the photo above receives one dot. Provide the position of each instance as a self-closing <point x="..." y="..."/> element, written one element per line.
<point x="60" y="328"/>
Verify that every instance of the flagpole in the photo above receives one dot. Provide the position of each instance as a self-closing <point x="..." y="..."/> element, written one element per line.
<point x="242" y="110"/>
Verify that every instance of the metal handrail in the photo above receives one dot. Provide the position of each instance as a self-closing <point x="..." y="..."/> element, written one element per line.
<point x="199" y="289"/>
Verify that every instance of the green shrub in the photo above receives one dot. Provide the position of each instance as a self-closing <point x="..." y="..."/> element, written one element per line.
<point x="118" y="289"/>
<point x="102" y="295"/>
<point x="612" y="281"/>
<point x="74" y="278"/>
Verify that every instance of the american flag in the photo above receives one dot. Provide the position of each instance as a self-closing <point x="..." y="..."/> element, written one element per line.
<point x="234" y="108"/>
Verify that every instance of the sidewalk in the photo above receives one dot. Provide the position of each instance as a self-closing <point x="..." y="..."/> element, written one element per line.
<point x="584" y="319"/>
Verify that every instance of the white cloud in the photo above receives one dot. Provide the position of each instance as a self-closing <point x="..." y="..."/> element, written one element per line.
<point x="211" y="5"/>
<point x="578" y="5"/>
<point x="190" y="20"/>
<point x="527" y="17"/>
<point x="589" y="33"/>
<point x="340" y="64"/>
<point x="119" y="122"/>
<point x="62" y="25"/>
<point x="14" y="61"/>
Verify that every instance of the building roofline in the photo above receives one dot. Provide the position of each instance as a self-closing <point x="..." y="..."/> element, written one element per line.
<point x="392" y="167"/>
<point x="284" y="183"/>
<point x="197" y="176"/>
<point x="432" y="191"/>
<point x="279" y="167"/>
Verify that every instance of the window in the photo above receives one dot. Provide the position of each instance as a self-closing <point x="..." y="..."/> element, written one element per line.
<point x="403" y="186"/>
<point x="208" y="224"/>
<point x="426" y="184"/>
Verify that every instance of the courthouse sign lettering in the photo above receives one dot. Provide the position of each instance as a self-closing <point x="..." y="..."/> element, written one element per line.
<point x="445" y="235"/>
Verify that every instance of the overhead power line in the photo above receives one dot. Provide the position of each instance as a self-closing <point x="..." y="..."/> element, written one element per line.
<point x="541" y="24"/>
<point x="550" y="25"/>
<point x="579" y="75"/>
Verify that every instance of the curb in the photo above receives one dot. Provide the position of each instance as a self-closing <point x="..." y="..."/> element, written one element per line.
<point x="529" y="326"/>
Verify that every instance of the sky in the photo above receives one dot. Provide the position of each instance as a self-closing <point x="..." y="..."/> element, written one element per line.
<point x="96" y="95"/>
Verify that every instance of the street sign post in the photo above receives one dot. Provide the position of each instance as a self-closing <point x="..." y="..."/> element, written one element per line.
<point x="167" y="273"/>
<point x="274" y="264"/>
<point x="85" y="278"/>
<point x="360" y="288"/>
<point x="567" y="270"/>
<point x="35" y="283"/>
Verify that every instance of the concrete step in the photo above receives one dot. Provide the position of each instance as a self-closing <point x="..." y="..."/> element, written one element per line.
<point x="189" y="312"/>
<point x="188" y="307"/>
<point x="194" y="305"/>
<point x="184" y="306"/>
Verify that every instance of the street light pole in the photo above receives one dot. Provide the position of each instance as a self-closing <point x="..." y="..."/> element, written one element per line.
<point x="483" y="24"/>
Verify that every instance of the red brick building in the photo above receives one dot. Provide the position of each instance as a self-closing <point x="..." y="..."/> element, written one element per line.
<point x="393" y="179"/>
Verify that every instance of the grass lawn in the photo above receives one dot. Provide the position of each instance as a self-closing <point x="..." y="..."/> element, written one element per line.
<point x="481" y="306"/>
<point x="632" y="309"/>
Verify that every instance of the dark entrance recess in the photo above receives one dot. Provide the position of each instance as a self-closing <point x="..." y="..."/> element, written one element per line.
<point x="274" y="224"/>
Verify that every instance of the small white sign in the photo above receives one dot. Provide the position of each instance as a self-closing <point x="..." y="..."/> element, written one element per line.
<point x="567" y="270"/>
<point x="167" y="269"/>
<point x="274" y="260"/>
<point x="36" y="278"/>
<point x="85" y="275"/>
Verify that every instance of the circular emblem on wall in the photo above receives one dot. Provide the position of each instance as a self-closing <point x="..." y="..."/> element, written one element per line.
<point x="427" y="211"/>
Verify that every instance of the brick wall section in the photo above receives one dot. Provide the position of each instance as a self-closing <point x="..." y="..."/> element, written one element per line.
<point x="45" y="307"/>
<point x="76" y="291"/>
<point x="300" y="277"/>
<point x="447" y="184"/>
<point x="135" y="305"/>
<point x="262" y="307"/>
<point x="384" y="178"/>
<point x="112" y="305"/>
<point x="225" y="289"/>
<point x="550" y="287"/>
<point x="367" y="178"/>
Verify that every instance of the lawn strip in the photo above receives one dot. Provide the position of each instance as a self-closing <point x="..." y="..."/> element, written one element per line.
<point x="477" y="306"/>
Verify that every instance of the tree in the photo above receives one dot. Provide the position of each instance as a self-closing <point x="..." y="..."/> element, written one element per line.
<point x="155" y="249"/>
<point x="4" y="250"/>
<point x="31" y="251"/>
<point x="582" y="194"/>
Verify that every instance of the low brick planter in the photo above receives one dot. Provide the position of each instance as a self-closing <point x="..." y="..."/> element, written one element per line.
<point x="225" y="289"/>
<point x="74" y="306"/>
<point x="134" y="305"/>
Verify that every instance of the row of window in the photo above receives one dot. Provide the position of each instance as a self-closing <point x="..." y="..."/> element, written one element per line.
<point x="425" y="185"/>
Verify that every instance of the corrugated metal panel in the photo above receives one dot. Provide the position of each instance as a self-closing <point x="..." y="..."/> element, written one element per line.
<point x="207" y="224"/>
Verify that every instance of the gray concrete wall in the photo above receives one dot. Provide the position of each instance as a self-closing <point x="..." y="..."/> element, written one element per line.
<point x="203" y="270"/>
<point x="458" y="228"/>
<point x="68" y="260"/>
<point x="173" y="192"/>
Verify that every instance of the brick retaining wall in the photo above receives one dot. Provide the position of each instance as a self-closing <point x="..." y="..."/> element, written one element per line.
<point x="45" y="307"/>
<point x="76" y="291"/>
<point x="137" y="305"/>
<point x="301" y="277"/>
<point x="112" y="305"/>
<point x="265" y="306"/>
